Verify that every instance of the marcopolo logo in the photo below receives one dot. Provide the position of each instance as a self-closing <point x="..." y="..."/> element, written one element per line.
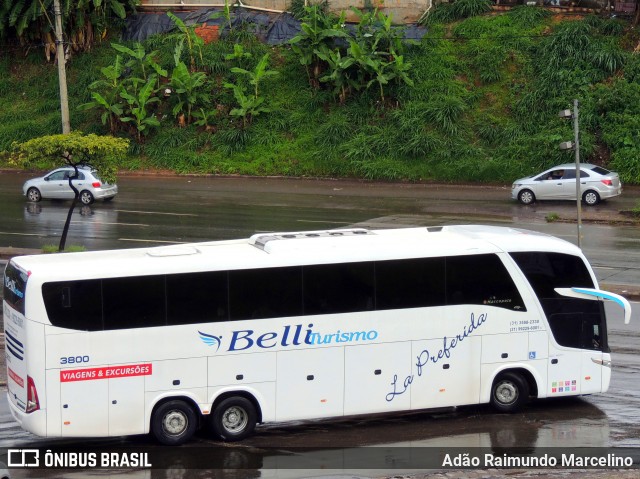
<point x="290" y="335"/>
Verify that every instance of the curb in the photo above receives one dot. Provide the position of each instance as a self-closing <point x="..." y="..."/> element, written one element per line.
<point x="8" y="252"/>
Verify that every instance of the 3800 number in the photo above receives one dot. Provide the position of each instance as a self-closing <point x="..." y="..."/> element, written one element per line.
<point x="74" y="359"/>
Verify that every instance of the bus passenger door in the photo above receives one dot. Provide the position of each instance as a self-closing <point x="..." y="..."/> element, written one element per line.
<point x="564" y="378"/>
<point x="84" y="409"/>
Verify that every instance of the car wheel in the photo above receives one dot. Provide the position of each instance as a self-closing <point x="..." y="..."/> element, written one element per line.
<point x="591" y="198"/>
<point x="174" y="423"/>
<point x="86" y="198"/>
<point x="526" y="197"/>
<point x="33" y="194"/>
<point x="510" y="392"/>
<point x="234" y="419"/>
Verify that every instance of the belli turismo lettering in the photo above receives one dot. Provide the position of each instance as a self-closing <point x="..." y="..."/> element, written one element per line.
<point x="290" y="335"/>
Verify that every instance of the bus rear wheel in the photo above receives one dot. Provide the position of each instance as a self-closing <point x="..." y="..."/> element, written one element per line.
<point x="510" y="392"/>
<point x="234" y="419"/>
<point x="174" y="423"/>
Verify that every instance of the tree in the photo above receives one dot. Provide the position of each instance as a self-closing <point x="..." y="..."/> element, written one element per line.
<point x="75" y="149"/>
<point x="84" y="21"/>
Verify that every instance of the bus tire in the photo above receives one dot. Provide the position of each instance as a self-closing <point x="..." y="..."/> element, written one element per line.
<point x="510" y="391"/>
<point x="174" y="423"/>
<point x="234" y="419"/>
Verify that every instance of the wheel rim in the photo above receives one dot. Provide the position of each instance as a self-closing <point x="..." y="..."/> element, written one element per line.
<point x="235" y="419"/>
<point x="85" y="197"/>
<point x="526" y="197"/>
<point x="33" y="195"/>
<point x="591" y="198"/>
<point x="175" y="423"/>
<point x="506" y="393"/>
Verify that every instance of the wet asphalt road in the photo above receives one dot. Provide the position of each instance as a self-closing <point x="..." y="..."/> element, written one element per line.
<point x="159" y="210"/>
<point x="601" y="420"/>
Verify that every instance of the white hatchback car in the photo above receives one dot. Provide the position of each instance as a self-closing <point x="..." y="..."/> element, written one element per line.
<point x="559" y="183"/>
<point x="55" y="185"/>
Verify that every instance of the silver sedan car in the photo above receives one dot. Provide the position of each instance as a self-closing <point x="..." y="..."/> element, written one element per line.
<point x="559" y="183"/>
<point x="55" y="185"/>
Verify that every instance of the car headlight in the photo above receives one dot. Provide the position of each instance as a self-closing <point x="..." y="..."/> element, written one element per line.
<point x="515" y="185"/>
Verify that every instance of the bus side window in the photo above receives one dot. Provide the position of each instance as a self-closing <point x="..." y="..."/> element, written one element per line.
<point x="135" y="302"/>
<point x="265" y="293"/>
<point x="197" y="298"/>
<point x="481" y="279"/>
<point x="410" y="283"/>
<point x="338" y="288"/>
<point x="74" y="304"/>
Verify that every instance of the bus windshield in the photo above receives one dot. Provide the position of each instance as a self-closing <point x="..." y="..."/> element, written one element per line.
<point x="575" y="323"/>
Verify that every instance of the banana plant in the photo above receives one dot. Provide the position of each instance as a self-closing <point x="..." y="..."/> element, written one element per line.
<point x="188" y="87"/>
<point x="84" y="21"/>
<point x="317" y="29"/>
<point x="186" y="34"/>
<point x="259" y="73"/>
<point x="138" y="103"/>
<point x="249" y="106"/>
<point x="141" y="63"/>
<point x="338" y="73"/>
<point x="106" y="94"/>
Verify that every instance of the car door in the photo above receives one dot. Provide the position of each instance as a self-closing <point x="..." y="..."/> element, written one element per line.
<point x="55" y="185"/>
<point x="549" y="185"/>
<point x="568" y="184"/>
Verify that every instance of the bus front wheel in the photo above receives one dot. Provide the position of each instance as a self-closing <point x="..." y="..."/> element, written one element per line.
<point x="174" y="423"/>
<point x="234" y="419"/>
<point x="510" y="392"/>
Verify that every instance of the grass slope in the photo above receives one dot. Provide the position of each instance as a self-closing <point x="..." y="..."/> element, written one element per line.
<point x="483" y="107"/>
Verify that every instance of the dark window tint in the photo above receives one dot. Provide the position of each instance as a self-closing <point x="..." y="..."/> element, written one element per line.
<point x="338" y="288"/>
<point x="197" y="298"/>
<point x="547" y="271"/>
<point x="412" y="283"/>
<point x="74" y="304"/>
<point x="133" y="302"/>
<point x="481" y="279"/>
<point x="576" y="323"/>
<point x="571" y="174"/>
<point x="265" y="293"/>
<point x="600" y="170"/>
<point x="14" y="288"/>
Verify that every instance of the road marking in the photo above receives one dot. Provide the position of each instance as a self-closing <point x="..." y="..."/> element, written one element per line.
<point x="21" y="234"/>
<point x="105" y="223"/>
<point x="153" y="241"/>
<point x="156" y="213"/>
<point x="321" y="221"/>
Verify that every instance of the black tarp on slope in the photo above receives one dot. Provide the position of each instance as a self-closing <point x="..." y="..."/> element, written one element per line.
<point x="271" y="28"/>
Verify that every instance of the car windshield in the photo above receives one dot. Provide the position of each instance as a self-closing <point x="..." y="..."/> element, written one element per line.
<point x="601" y="171"/>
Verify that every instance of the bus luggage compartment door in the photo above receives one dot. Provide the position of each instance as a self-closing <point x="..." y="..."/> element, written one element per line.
<point x="84" y="408"/>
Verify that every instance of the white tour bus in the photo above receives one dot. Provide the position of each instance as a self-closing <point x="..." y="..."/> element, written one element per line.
<point x="295" y="326"/>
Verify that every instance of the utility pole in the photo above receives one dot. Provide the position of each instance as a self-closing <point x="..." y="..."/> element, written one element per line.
<point x="577" y="150"/>
<point x="575" y="146"/>
<point x="62" y="74"/>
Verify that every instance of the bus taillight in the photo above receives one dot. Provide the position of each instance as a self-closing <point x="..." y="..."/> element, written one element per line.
<point x="32" y="396"/>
